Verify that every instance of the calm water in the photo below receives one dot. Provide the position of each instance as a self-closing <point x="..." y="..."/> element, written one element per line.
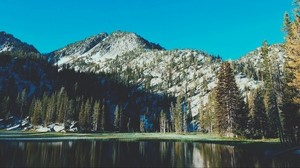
<point x="138" y="154"/>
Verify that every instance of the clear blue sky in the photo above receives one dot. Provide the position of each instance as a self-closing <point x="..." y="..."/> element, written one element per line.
<point x="229" y="28"/>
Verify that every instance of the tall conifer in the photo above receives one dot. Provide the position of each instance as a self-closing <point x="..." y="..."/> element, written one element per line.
<point x="230" y="109"/>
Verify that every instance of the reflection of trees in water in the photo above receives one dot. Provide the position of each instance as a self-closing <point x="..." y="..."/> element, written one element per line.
<point x="183" y="154"/>
<point x="218" y="155"/>
<point x="61" y="154"/>
<point x="99" y="153"/>
<point x="115" y="153"/>
<point x="132" y="154"/>
<point x="44" y="154"/>
<point x="163" y="150"/>
<point x="214" y="155"/>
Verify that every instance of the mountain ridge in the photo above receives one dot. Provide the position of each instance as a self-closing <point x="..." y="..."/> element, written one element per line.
<point x="9" y="43"/>
<point x="172" y="72"/>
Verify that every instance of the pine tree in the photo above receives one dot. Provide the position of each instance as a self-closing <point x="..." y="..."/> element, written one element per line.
<point x="189" y="116"/>
<point x="257" y="115"/>
<point x="44" y="104"/>
<point x="103" y="115"/>
<point x="37" y="116"/>
<point x="88" y="114"/>
<point x="201" y="114"/>
<point x="211" y="111"/>
<point x="4" y="108"/>
<point x="172" y="118"/>
<point x="69" y="114"/>
<point x="121" y="119"/>
<point x="62" y="104"/>
<point x="81" y="118"/>
<point x="207" y="114"/>
<point x="163" y="121"/>
<point x="50" y="111"/>
<point x="22" y="101"/>
<point x="292" y="46"/>
<point x="270" y="95"/>
<point x="230" y="109"/>
<point x="184" y="122"/>
<point x="96" y="115"/>
<point x="178" y="115"/>
<point x="117" y="118"/>
<point x="291" y="95"/>
<point x="142" y="126"/>
<point x="266" y="62"/>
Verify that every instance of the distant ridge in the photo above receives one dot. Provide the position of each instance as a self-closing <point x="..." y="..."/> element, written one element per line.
<point x="9" y="43"/>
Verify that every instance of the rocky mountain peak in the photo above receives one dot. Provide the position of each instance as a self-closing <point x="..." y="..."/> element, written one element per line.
<point x="103" y="46"/>
<point x="9" y="43"/>
<point x="135" y="38"/>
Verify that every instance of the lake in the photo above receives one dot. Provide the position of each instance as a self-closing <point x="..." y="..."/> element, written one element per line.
<point x="98" y="153"/>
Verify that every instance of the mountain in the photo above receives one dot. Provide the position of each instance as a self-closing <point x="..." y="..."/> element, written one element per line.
<point x="139" y="75"/>
<point x="190" y="73"/>
<point x="102" y="46"/>
<point x="9" y="43"/>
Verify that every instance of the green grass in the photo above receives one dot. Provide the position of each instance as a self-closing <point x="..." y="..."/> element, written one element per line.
<point x="186" y="137"/>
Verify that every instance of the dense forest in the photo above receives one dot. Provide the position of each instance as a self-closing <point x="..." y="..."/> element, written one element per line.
<point x="98" y="101"/>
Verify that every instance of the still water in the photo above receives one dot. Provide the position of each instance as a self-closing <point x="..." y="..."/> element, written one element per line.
<point x="91" y="153"/>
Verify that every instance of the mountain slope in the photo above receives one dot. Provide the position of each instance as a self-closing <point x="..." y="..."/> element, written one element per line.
<point x="9" y="43"/>
<point x="189" y="73"/>
<point x="103" y="46"/>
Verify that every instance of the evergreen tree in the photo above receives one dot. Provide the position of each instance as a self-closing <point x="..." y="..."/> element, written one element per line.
<point x="50" y="111"/>
<point x="69" y="114"/>
<point x="142" y="126"/>
<point x="211" y="111"/>
<point x="178" y="115"/>
<point x="257" y="115"/>
<point x="230" y="109"/>
<point x="62" y="105"/>
<point x="44" y="103"/>
<point x="37" y="113"/>
<point x="207" y="113"/>
<point x="163" y="121"/>
<point x="82" y="120"/>
<point x="22" y="103"/>
<point x="189" y="116"/>
<point x="88" y="114"/>
<point x="266" y="62"/>
<point x="103" y="115"/>
<point x="96" y="115"/>
<point x="291" y="95"/>
<point x="121" y="119"/>
<point x="270" y="102"/>
<point x="270" y="95"/>
<point x="172" y="118"/>
<point x="292" y="47"/>
<point x="117" y="118"/>
<point x="201" y="114"/>
<point x="4" y="108"/>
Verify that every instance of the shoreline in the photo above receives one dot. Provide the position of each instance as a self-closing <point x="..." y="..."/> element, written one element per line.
<point x="184" y="137"/>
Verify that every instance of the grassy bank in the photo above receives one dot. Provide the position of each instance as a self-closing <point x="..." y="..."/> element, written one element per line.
<point x="189" y="137"/>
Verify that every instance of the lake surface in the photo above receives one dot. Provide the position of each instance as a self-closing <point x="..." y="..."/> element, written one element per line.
<point x="93" y="153"/>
